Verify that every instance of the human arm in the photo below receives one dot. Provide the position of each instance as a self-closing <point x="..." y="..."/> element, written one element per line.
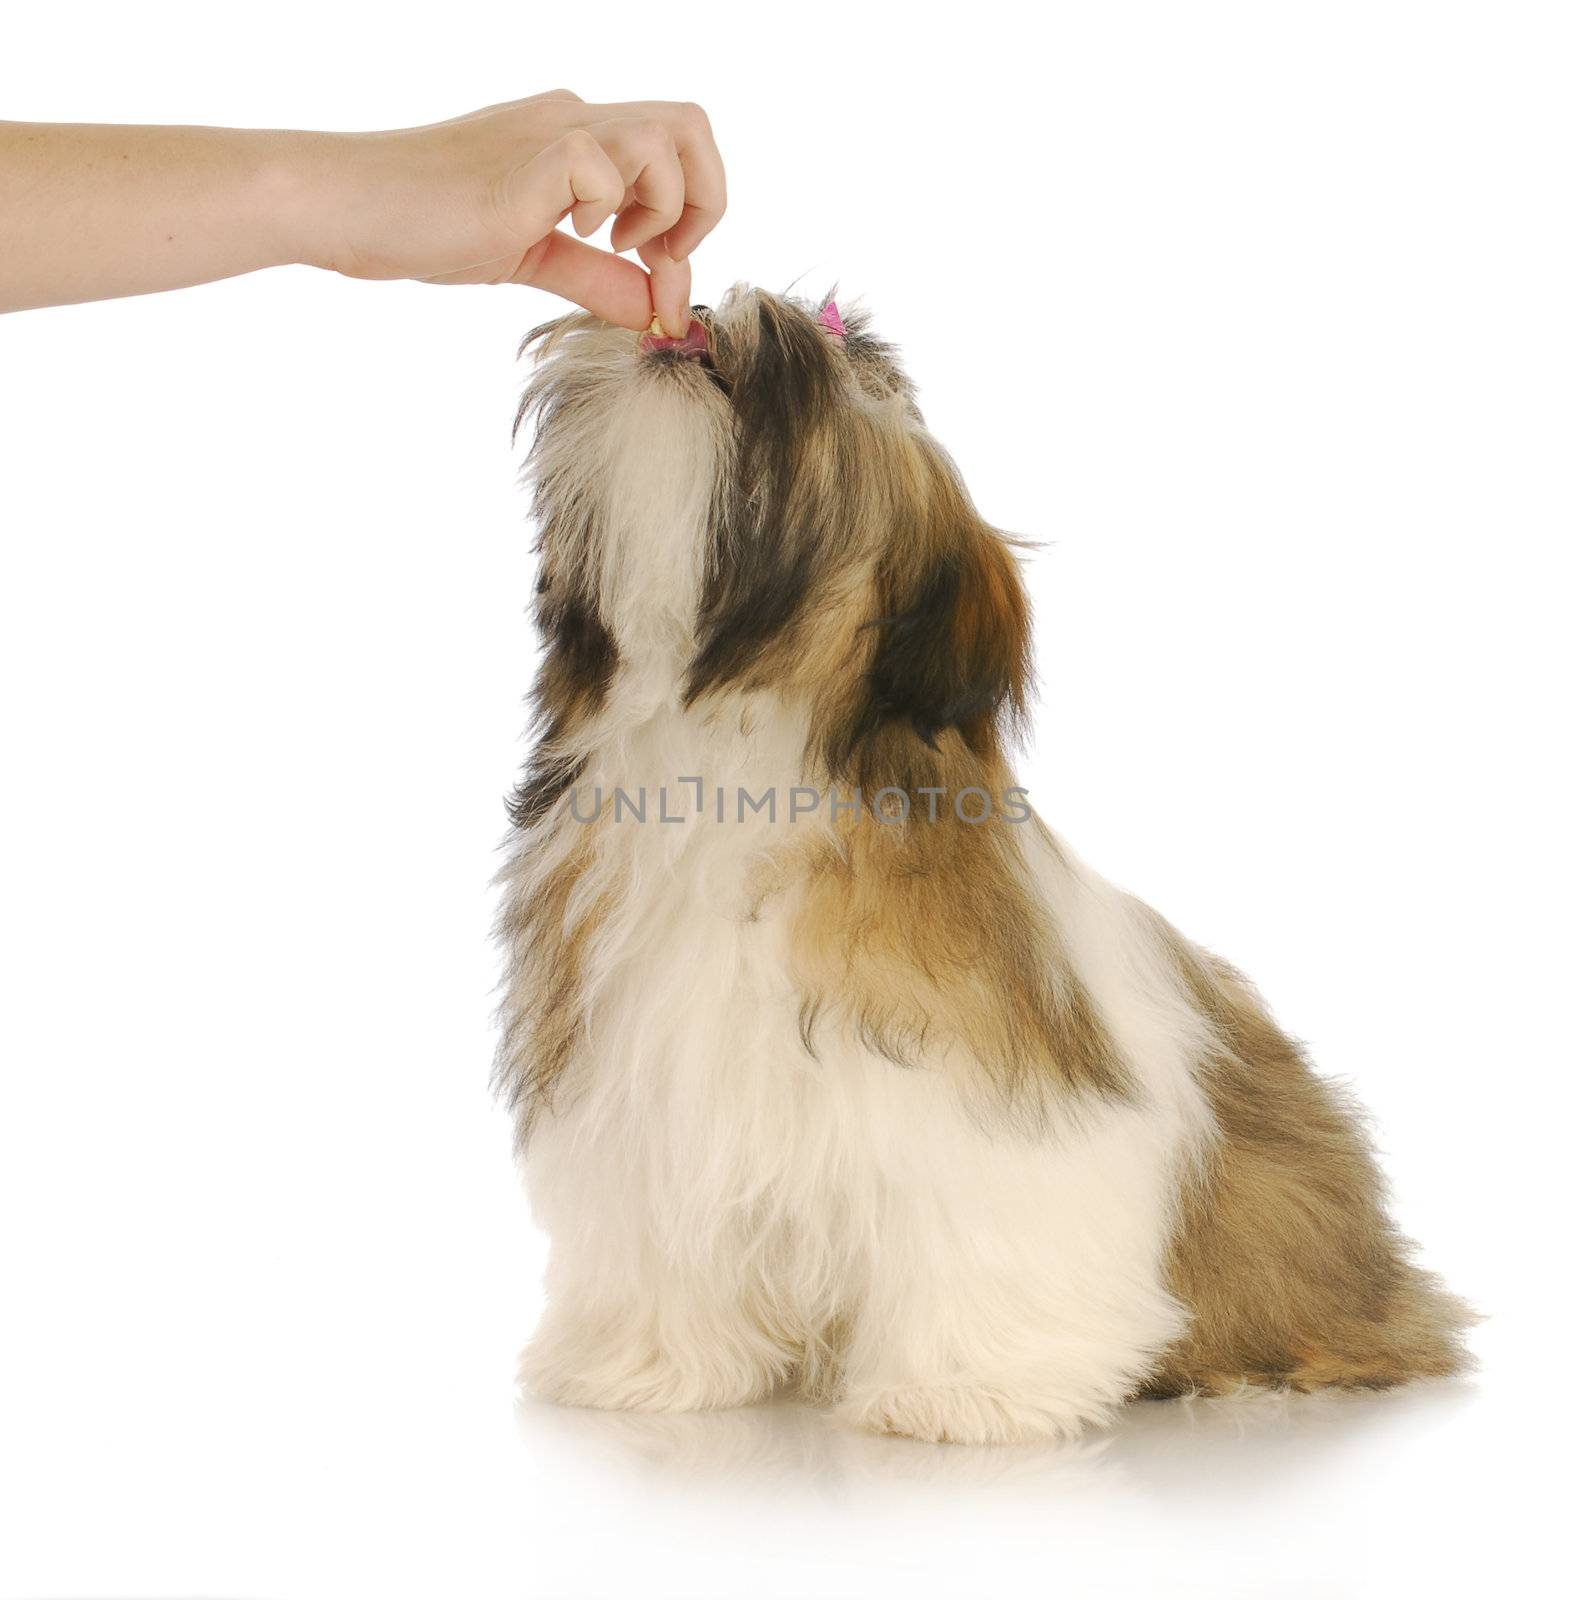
<point x="90" y="212"/>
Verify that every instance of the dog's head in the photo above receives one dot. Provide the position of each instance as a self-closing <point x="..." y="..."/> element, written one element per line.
<point x="762" y="508"/>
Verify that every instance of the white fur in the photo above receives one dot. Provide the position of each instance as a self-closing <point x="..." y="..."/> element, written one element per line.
<point x="728" y="1210"/>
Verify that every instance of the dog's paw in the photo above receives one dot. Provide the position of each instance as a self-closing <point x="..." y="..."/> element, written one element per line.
<point x="637" y="1378"/>
<point x="964" y="1414"/>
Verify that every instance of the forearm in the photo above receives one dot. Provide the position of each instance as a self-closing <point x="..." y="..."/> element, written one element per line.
<point x="89" y="212"/>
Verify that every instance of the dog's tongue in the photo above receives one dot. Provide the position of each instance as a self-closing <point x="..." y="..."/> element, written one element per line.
<point x="694" y="345"/>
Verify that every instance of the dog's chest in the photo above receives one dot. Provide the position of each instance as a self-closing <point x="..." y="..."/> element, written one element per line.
<point x="699" y="817"/>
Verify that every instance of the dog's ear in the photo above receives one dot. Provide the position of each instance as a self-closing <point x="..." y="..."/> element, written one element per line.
<point x="578" y="663"/>
<point x="951" y="650"/>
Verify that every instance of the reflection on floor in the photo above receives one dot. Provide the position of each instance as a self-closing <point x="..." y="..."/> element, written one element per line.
<point x="1187" y="1450"/>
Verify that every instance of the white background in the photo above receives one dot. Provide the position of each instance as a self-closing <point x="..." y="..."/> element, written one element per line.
<point x="1272" y="321"/>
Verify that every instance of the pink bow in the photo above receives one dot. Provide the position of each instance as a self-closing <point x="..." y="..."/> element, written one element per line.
<point x="830" y="319"/>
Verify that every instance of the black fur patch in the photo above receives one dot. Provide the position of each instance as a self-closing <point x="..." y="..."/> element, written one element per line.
<point x="943" y="660"/>
<point x="766" y="546"/>
<point x="576" y="671"/>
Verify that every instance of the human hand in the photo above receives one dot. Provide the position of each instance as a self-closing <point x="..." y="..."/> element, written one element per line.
<point x="479" y="200"/>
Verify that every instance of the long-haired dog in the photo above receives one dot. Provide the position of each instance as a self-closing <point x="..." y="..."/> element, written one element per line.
<point x="833" y="1066"/>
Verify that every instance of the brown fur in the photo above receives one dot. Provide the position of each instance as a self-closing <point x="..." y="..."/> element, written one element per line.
<point x="923" y="935"/>
<point x="542" y="1015"/>
<point x="1285" y="1255"/>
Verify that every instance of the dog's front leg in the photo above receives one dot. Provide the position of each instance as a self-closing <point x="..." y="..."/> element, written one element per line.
<point x="1015" y="1291"/>
<point x="665" y="1341"/>
<point x="646" y="1312"/>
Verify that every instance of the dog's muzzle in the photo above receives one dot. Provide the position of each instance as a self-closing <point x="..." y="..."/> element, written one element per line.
<point x="693" y="347"/>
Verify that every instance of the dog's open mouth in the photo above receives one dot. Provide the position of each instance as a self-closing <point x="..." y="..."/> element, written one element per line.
<point x="694" y="346"/>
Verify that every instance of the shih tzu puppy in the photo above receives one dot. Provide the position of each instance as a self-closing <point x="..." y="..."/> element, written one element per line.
<point x="833" y="1066"/>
